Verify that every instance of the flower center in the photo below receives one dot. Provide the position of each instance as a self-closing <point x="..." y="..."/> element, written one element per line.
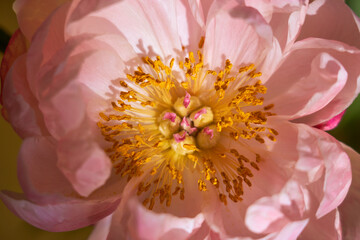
<point x="163" y="125"/>
<point x="194" y="130"/>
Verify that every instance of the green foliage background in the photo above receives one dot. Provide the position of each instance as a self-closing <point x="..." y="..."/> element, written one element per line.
<point x="13" y="228"/>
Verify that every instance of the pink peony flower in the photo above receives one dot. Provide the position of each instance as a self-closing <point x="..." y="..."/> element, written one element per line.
<point x="87" y="85"/>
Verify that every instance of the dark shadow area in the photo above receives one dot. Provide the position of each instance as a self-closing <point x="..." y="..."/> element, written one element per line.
<point x="4" y="39"/>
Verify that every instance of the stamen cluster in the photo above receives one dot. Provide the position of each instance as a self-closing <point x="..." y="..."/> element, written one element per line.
<point x="159" y="130"/>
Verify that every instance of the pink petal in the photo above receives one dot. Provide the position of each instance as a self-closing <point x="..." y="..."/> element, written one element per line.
<point x="15" y="48"/>
<point x="325" y="150"/>
<point x="39" y="176"/>
<point x="264" y="219"/>
<point x="189" y="28"/>
<point x="200" y="10"/>
<point x="58" y="217"/>
<point x="326" y="19"/>
<point x="292" y="230"/>
<point x="332" y="123"/>
<point x="84" y="163"/>
<point x="133" y="221"/>
<point x="316" y="78"/>
<point x="150" y="27"/>
<point x="347" y="56"/>
<point x="277" y="13"/>
<point x="246" y="36"/>
<point x="136" y="222"/>
<point x="325" y="228"/>
<point x="272" y="214"/>
<point x="274" y="172"/>
<point x="20" y="106"/>
<point x="350" y="219"/>
<point x="32" y="13"/>
<point x="101" y="229"/>
<point x="46" y="44"/>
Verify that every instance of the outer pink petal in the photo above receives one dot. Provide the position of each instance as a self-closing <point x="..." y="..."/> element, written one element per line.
<point x="331" y="19"/>
<point x="150" y="26"/>
<point x="20" y="106"/>
<point x="133" y="221"/>
<point x="311" y="78"/>
<point x="39" y="176"/>
<point x="16" y="47"/>
<point x="200" y="10"/>
<point x="285" y="18"/>
<point x="325" y="228"/>
<point x="317" y="146"/>
<point x="349" y="215"/>
<point x="101" y="229"/>
<point x="291" y="231"/>
<point x="84" y="163"/>
<point x="271" y="214"/>
<point x="32" y="13"/>
<point x="332" y="123"/>
<point x="275" y="171"/>
<point x="245" y="35"/>
<point x="349" y="58"/>
<point x="62" y="216"/>
<point x="46" y="43"/>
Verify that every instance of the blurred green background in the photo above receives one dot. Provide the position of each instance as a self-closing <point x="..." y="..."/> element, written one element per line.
<point x="13" y="228"/>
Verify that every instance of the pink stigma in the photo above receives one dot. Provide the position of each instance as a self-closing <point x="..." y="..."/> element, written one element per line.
<point x="185" y="122"/>
<point x="187" y="100"/>
<point x="169" y="115"/>
<point x="199" y="113"/>
<point x="209" y="132"/>
<point x="179" y="137"/>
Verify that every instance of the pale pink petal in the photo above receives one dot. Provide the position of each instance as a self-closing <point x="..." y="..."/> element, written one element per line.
<point x="200" y="10"/>
<point x="30" y="17"/>
<point x="136" y="222"/>
<point x="272" y="214"/>
<point x="261" y="218"/>
<point x="332" y="123"/>
<point x="20" y="106"/>
<point x="347" y="56"/>
<point x="63" y="216"/>
<point x="84" y="163"/>
<point x="309" y="79"/>
<point x="133" y="221"/>
<point x="150" y="27"/>
<point x="63" y="88"/>
<point x="331" y="19"/>
<point x="277" y="13"/>
<point x="101" y="229"/>
<point x="349" y="215"/>
<point x="44" y="183"/>
<point x="317" y="146"/>
<point x="189" y="28"/>
<point x="292" y="230"/>
<point x="40" y="178"/>
<point x="326" y="228"/>
<point x="46" y="43"/>
<point x="245" y="35"/>
<point x="274" y="172"/>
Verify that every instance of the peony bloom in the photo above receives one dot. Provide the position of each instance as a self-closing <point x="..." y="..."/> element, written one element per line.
<point x="184" y="119"/>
